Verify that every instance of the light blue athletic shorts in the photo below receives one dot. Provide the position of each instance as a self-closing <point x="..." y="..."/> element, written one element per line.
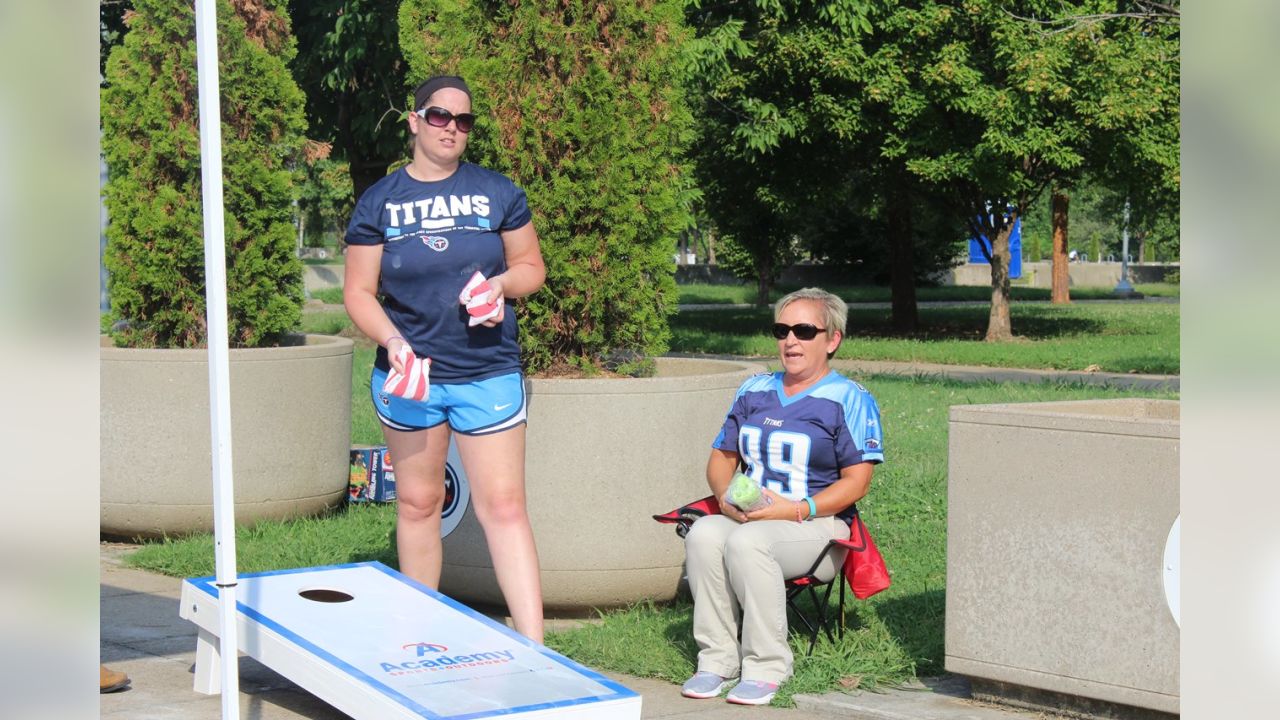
<point x="474" y="408"/>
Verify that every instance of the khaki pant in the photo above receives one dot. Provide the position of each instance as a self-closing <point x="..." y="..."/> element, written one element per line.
<point x="738" y="571"/>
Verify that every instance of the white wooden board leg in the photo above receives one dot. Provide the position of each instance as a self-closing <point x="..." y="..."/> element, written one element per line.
<point x="208" y="679"/>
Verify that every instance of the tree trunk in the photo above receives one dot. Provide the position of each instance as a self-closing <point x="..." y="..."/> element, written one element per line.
<point x="302" y="231"/>
<point x="999" y="325"/>
<point x="365" y="173"/>
<point x="1061" y="292"/>
<point x="902" y="280"/>
<point x="711" y="248"/>
<point x="763" y="270"/>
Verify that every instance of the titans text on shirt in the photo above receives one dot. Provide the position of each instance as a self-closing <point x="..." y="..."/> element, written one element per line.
<point x="435" y="236"/>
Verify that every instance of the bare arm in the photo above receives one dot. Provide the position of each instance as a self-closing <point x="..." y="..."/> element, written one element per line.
<point x="360" y="297"/>
<point x="854" y="482"/>
<point x="525" y="269"/>
<point x="525" y="272"/>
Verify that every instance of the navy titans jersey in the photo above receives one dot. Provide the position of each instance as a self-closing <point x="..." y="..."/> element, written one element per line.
<point x="797" y="445"/>
<point x="435" y="236"/>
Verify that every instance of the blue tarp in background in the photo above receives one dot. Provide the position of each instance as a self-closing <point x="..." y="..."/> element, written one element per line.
<point x="1015" y="250"/>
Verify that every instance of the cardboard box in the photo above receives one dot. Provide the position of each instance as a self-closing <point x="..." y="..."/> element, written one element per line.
<point x="372" y="478"/>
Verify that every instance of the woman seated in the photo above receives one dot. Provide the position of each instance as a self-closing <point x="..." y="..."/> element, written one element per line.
<point x="810" y="437"/>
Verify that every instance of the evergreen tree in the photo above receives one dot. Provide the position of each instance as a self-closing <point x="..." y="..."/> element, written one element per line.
<point x="580" y="104"/>
<point x="151" y="142"/>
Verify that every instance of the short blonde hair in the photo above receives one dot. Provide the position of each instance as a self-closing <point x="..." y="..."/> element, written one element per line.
<point x="834" y="311"/>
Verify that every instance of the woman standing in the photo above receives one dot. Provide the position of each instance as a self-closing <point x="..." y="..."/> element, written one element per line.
<point x="417" y="237"/>
<point x="810" y="437"/>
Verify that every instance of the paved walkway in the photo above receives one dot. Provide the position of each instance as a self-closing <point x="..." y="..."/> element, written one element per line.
<point x="143" y="636"/>
<point x="979" y="373"/>
<point x="1159" y="300"/>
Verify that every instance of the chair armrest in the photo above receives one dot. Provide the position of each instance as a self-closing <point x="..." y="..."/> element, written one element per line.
<point x="684" y="516"/>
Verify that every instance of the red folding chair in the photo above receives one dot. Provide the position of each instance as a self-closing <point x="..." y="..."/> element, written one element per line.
<point x="808" y="583"/>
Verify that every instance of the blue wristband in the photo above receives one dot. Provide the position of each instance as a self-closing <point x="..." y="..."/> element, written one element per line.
<point x="813" y="507"/>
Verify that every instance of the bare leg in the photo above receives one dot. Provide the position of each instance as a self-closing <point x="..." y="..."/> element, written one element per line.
<point x="418" y="459"/>
<point x="495" y="469"/>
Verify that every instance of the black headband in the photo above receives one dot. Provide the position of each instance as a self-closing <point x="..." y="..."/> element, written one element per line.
<point x="439" y="82"/>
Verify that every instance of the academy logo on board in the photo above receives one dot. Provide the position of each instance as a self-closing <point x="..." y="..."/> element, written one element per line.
<point x="435" y="658"/>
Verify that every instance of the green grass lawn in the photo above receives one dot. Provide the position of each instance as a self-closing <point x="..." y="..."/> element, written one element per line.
<point x="1116" y="337"/>
<point x="729" y="294"/>
<point x="1120" y="337"/>
<point x="332" y="296"/>
<point x="889" y="638"/>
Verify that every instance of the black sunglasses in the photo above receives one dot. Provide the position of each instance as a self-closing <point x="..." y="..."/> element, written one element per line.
<point x="439" y="117"/>
<point x="803" y="331"/>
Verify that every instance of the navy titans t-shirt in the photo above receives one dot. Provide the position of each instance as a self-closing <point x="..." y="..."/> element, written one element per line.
<point x="797" y="445"/>
<point x="435" y="236"/>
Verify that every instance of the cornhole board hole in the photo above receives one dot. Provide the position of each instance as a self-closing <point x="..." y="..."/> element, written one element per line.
<point x="377" y="645"/>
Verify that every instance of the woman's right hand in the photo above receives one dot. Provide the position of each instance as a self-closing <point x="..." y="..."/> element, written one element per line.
<point x="732" y="511"/>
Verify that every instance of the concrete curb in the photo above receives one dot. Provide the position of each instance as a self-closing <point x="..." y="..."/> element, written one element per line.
<point x="979" y="373"/>
<point x="940" y="698"/>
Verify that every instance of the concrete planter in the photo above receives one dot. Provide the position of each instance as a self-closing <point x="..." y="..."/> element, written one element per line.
<point x="291" y="434"/>
<point x="1058" y="519"/>
<point x="604" y="456"/>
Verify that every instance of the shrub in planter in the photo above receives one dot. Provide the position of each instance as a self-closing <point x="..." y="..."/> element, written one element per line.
<point x="581" y="104"/>
<point x="291" y="406"/>
<point x="151" y="141"/>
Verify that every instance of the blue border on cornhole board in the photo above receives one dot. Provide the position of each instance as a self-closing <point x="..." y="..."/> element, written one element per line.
<point x="206" y="584"/>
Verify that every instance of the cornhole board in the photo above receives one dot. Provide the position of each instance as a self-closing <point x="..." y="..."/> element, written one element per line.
<point x="377" y="645"/>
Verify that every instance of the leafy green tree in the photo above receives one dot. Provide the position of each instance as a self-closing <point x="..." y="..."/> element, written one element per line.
<point x="773" y="87"/>
<point x="991" y="107"/>
<point x="965" y="120"/>
<point x="350" y="67"/>
<point x="151" y="143"/>
<point x="1125" y="91"/>
<point x="1133" y="100"/>
<point x="580" y="104"/>
<point x="797" y="148"/>
<point x="1097" y="209"/>
<point x="111" y="30"/>
<point x="858" y="220"/>
<point x="325" y="201"/>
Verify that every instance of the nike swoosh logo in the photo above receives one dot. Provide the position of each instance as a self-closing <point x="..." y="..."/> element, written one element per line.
<point x="500" y="408"/>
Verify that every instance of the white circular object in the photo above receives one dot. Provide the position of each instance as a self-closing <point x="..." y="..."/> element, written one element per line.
<point x="1173" y="570"/>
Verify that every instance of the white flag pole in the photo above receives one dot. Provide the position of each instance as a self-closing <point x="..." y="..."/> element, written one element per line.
<point x="215" y="268"/>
